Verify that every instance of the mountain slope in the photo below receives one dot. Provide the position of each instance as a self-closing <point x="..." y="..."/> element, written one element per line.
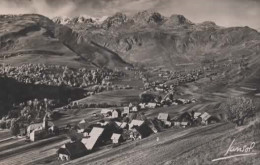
<point x="36" y="39"/>
<point x="176" y="43"/>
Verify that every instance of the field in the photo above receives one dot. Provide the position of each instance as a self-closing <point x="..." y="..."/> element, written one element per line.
<point x="116" y="97"/>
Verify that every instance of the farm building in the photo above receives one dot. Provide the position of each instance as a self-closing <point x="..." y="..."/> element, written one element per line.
<point x="116" y="138"/>
<point x="72" y="150"/>
<point x="95" y="135"/>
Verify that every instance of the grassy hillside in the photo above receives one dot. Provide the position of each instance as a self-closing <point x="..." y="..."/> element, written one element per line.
<point x="36" y="39"/>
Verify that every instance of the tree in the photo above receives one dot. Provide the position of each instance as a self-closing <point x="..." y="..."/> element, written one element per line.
<point x="146" y="97"/>
<point x="2" y="124"/>
<point x="15" y="130"/>
<point x="239" y="108"/>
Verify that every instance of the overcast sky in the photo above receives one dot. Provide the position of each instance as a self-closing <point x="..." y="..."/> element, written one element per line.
<point x="223" y="12"/>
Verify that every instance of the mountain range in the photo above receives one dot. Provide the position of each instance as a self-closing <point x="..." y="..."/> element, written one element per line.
<point x="147" y="38"/>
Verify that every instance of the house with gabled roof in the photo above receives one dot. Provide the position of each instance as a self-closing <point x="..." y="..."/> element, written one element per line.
<point x="140" y="129"/>
<point x="72" y="150"/>
<point x="94" y="137"/>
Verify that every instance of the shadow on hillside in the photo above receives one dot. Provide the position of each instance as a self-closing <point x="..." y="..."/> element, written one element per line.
<point x="12" y="92"/>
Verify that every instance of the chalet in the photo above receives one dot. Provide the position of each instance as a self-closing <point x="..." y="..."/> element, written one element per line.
<point x="94" y="138"/>
<point x="116" y="138"/>
<point x="71" y="151"/>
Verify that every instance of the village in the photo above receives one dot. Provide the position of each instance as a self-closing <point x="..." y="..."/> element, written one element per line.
<point x="108" y="125"/>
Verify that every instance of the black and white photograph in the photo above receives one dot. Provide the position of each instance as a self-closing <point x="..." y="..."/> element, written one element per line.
<point x="129" y="82"/>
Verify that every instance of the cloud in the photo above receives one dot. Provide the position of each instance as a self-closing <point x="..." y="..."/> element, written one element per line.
<point x="223" y="12"/>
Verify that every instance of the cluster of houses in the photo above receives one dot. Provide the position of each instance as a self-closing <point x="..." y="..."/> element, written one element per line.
<point x="120" y="126"/>
<point x="56" y="75"/>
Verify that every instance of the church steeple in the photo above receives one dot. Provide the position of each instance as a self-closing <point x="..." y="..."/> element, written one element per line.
<point x="45" y="122"/>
